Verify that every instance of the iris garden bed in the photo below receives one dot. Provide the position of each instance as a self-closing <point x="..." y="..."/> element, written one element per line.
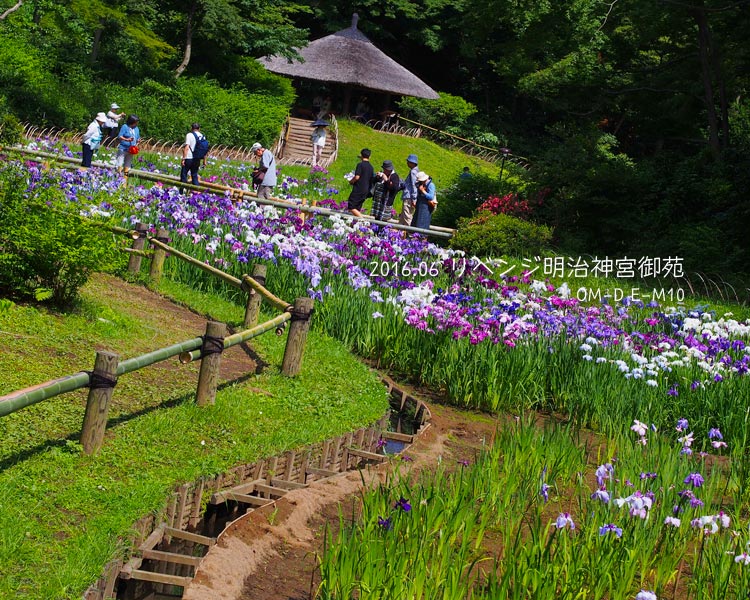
<point x="512" y="343"/>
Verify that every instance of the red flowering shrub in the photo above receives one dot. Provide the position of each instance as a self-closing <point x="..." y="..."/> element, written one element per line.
<point x="512" y="204"/>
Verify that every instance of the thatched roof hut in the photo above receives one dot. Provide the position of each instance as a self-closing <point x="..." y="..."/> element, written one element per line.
<point x="349" y="58"/>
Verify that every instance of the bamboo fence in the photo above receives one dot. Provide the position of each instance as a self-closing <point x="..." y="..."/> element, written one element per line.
<point x="207" y="348"/>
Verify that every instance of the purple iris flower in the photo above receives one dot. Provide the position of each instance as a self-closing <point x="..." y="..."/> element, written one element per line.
<point x="544" y="492"/>
<point x="682" y="425"/>
<point x="403" y="504"/>
<point x="694" y="479"/>
<point x="610" y="528"/>
<point x="604" y="472"/>
<point x="601" y="494"/>
<point x="385" y="523"/>
<point x="565" y="520"/>
<point x="715" y="434"/>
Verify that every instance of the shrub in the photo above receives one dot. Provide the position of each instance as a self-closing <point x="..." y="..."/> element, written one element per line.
<point x="11" y="129"/>
<point x="445" y="112"/>
<point x="463" y="198"/>
<point x="227" y="116"/>
<point x="47" y="251"/>
<point x="488" y="235"/>
<point x="510" y="204"/>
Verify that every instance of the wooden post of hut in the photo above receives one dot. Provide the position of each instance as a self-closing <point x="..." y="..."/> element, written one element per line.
<point x="252" y="310"/>
<point x="295" y="341"/>
<point x="208" y="377"/>
<point x="102" y="381"/>
<point x="158" y="258"/>
<point x="139" y="242"/>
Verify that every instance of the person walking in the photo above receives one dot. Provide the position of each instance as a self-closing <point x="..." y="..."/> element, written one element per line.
<point x="91" y="139"/>
<point x="113" y="122"/>
<point x="128" y="147"/>
<point x="387" y="185"/>
<point x="318" y="138"/>
<point x="360" y="182"/>
<point x="191" y="155"/>
<point x="426" y="201"/>
<point x="409" y="187"/>
<point x="266" y="174"/>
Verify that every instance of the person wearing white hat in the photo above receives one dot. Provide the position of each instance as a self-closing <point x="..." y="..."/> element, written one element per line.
<point x="112" y="126"/>
<point x="91" y="139"/>
<point x="426" y="201"/>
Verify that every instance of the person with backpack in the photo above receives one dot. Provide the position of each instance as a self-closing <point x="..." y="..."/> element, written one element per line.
<point x="387" y="184"/>
<point x="193" y="152"/>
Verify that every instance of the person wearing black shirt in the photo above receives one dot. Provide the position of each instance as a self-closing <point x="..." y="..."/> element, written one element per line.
<point x="360" y="183"/>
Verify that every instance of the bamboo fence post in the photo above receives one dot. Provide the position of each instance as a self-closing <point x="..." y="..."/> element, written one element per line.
<point x="208" y="377"/>
<point x="254" y="300"/>
<point x="134" y="263"/>
<point x="102" y="381"/>
<point x="157" y="260"/>
<point x="295" y="341"/>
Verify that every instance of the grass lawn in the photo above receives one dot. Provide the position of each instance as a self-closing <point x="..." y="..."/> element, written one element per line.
<point x="442" y="163"/>
<point x="63" y="514"/>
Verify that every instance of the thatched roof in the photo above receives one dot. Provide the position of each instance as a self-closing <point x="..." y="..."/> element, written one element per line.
<point x="349" y="57"/>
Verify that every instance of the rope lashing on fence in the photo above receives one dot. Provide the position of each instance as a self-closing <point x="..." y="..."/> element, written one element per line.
<point x="100" y="382"/>
<point x="239" y="337"/>
<point x="275" y="301"/>
<point x="212" y="345"/>
<point x="301" y="315"/>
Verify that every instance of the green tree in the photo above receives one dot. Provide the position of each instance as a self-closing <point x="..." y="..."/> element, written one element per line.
<point x="253" y="27"/>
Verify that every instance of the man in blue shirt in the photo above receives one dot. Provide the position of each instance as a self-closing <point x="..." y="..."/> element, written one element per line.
<point x="409" y="195"/>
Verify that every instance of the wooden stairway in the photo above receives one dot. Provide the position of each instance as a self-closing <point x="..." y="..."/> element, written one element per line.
<point x="295" y="147"/>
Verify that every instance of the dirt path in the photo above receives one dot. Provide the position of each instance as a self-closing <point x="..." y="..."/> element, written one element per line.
<point x="269" y="554"/>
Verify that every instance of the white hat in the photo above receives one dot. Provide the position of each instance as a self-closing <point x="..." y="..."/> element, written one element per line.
<point x="114" y="106"/>
<point x="256" y="146"/>
<point x="422" y="176"/>
<point x="101" y="117"/>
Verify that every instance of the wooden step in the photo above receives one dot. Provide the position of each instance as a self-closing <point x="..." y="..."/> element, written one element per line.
<point x="161" y="578"/>
<point x="172" y="557"/>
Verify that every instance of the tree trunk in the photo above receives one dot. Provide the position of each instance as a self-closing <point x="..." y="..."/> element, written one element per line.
<point x="11" y="9"/>
<point x="704" y="51"/>
<point x="97" y="42"/>
<point x="720" y="83"/>
<point x="188" y="40"/>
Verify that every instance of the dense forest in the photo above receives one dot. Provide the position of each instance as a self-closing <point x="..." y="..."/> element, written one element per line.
<point x="634" y="115"/>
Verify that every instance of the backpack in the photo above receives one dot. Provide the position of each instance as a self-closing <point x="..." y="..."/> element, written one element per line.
<point x="201" y="146"/>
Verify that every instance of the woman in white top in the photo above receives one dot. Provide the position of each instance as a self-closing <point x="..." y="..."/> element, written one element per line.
<point x="91" y="139"/>
<point x="318" y="138"/>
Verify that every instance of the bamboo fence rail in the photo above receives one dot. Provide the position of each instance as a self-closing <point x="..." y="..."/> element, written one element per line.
<point x="467" y="146"/>
<point x="146" y="144"/>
